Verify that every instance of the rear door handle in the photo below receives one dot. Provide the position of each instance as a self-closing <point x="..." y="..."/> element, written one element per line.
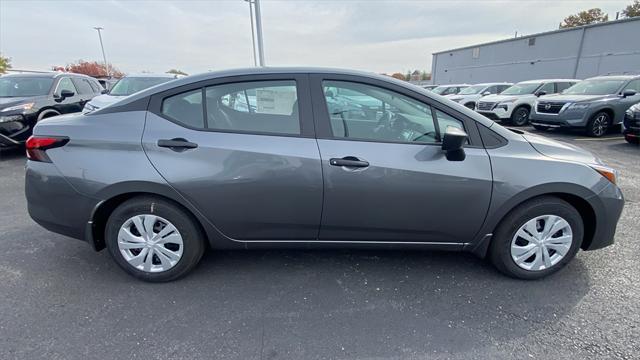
<point x="348" y="161"/>
<point x="177" y="144"/>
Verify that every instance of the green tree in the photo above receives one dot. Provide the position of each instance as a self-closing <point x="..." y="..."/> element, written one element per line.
<point x="407" y="76"/>
<point x="177" y="72"/>
<point x="5" y="64"/>
<point x="425" y="75"/>
<point x="632" y="10"/>
<point x="585" y="17"/>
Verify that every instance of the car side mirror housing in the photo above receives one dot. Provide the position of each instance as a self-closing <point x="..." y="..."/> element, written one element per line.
<point x="628" y="92"/>
<point x="453" y="143"/>
<point x="66" y="93"/>
<point x="486" y="93"/>
<point x="541" y="93"/>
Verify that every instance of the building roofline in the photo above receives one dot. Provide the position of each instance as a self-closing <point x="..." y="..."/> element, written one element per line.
<point x="612" y="22"/>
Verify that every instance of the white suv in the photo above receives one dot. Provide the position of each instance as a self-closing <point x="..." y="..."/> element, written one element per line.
<point x="515" y="103"/>
<point x="469" y="96"/>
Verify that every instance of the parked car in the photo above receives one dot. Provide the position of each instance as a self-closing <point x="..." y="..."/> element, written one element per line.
<point x="514" y="104"/>
<point x="631" y="125"/>
<point x="26" y="99"/>
<point x="449" y="89"/>
<point x="470" y="95"/>
<point x="107" y="83"/>
<point x="429" y="87"/>
<point x="594" y="105"/>
<point x="165" y="173"/>
<point x="126" y="86"/>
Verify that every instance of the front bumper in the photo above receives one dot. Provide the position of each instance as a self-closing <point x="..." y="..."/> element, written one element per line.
<point x="565" y="119"/>
<point x="496" y="113"/>
<point x="15" y="128"/>
<point x="607" y="206"/>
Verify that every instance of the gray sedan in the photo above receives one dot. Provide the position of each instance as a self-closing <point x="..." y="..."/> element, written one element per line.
<point x="168" y="172"/>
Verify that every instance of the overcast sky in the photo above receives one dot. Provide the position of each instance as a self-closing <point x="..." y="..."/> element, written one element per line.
<point x="197" y="36"/>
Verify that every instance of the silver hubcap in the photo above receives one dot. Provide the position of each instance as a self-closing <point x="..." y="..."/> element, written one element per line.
<point x="600" y="125"/>
<point x="150" y="243"/>
<point x="541" y="242"/>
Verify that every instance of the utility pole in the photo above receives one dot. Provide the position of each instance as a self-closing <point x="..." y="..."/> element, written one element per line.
<point x="259" y="32"/>
<point x="253" y="32"/>
<point x="104" y="57"/>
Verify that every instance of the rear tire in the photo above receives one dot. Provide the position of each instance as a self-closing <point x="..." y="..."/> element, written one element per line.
<point x="598" y="125"/>
<point x="141" y="248"/>
<point x="508" y="250"/>
<point x="520" y="116"/>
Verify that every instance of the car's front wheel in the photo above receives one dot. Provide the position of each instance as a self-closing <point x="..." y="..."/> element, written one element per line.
<point x="598" y="125"/>
<point x="520" y="116"/>
<point x="537" y="238"/>
<point x="153" y="239"/>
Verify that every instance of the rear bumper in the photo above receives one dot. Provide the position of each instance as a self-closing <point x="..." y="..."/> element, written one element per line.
<point x="607" y="205"/>
<point x="53" y="203"/>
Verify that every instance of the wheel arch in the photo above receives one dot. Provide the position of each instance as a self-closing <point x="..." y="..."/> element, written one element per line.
<point x="576" y="195"/>
<point x="47" y="110"/>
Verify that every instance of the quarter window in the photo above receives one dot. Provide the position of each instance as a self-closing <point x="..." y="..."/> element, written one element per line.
<point x="185" y="108"/>
<point x="366" y="112"/>
<point x="261" y="106"/>
<point x="65" y="84"/>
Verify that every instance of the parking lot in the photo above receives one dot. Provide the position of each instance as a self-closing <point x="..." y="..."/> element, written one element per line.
<point x="61" y="300"/>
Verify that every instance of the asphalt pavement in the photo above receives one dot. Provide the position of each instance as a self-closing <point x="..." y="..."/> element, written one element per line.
<point x="61" y="300"/>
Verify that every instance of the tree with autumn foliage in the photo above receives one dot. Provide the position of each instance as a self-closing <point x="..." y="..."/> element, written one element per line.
<point x="93" y="68"/>
<point x="177" y="72"/>
<point x="398" y="76"/>
<point x="586" y="17"/>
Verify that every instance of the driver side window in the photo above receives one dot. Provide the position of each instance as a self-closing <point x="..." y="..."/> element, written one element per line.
<point x="65" y="84"/>
<point x="366" y="112"/>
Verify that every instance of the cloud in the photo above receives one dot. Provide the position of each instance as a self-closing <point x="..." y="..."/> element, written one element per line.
<point x="197" y="36"/>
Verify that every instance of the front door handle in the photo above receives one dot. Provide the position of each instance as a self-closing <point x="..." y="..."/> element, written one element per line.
<point x="348" y="161"/>
<point x="177" y="144"/>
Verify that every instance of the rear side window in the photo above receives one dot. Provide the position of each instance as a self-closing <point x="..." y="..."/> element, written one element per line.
<point x="260" y="107"/>
<point x="95" y="86"/>
<point x="83" y="86"/>
<point x="185" y="108"/>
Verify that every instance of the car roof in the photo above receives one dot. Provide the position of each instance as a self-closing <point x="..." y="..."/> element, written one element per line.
<point x="614" y="77"/>
<point x="53" y="74"/>
<point x="546" y="80"/>
<point x="149" y="75"/>
<point x="494" y="83"/>
<point x="452" y="85"/>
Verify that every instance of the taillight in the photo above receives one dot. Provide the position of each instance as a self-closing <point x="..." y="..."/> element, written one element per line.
<point x="37" y="146"/>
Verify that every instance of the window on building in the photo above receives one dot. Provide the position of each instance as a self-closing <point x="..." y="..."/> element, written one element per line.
<point x="532" y="41"/>
<point x="475" y="53"/>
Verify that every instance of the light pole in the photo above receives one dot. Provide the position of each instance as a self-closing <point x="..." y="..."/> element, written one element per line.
<point x="259" y="32"/>
<point x="253" y="38"/>
<point x="104" y="57"/>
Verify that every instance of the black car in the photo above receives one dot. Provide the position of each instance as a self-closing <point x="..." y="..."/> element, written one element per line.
<point x="631" y="125"/>
<point x="26" y="99"/>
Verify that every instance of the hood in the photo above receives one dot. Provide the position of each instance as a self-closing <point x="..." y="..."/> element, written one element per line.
<point x="11" y="101"/>
<point x="561" y="151"/>
<point x="499" y="98"/>
<point x="574" y="98"/>
<point x="101" y="101"/>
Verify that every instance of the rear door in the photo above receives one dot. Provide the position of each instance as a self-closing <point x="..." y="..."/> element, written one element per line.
<point x="385" y="175"/>
<point x="242" y="150"/>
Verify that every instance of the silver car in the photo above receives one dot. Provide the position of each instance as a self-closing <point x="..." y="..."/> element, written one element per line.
<point x="168" y="172"/>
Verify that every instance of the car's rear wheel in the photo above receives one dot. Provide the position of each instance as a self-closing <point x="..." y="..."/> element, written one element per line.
<point x="153" y="239"/>
<point x="599" y="124"/>
<point x="537" y="238"/>
<point x="520" y="116"/>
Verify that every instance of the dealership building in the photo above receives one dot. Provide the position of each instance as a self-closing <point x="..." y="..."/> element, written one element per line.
<point x="606" y="48"/>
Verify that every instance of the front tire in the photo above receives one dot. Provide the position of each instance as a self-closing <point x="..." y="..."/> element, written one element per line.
<point x="154" y="239"/>
<point x="537" y="238"/>
<point x="598" y="125"/>
<point x="520" y="116"/>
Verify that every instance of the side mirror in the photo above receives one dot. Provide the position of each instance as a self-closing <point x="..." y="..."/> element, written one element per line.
<point x="486" y="93"/>
<point x="104" y="91"/>
<point x="66" y="93"/>
<point x="540" y="93"/>
<point x="453" y="142"/>
<point x="628" y="92"/>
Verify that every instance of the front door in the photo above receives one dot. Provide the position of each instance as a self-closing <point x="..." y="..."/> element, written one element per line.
<point x="243" y="152"/>
<point x="385" y="175"/>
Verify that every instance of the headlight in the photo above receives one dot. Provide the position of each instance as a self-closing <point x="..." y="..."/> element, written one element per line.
<point x="23" y="107"/>
<point x="607" y="172"/>
<point x="9" y="118"/>
<point x="89" y="108"/>
<point x="579" y="106"/>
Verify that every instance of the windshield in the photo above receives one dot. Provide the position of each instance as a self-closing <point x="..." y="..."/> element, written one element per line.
<point x="472" y="90"/>
<point x="129" y="85"/>
<point x="521" y="89"/>
<point x="440" y="89"/>
<point x="595" y="87"/>
<point x="24" y="86"/>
